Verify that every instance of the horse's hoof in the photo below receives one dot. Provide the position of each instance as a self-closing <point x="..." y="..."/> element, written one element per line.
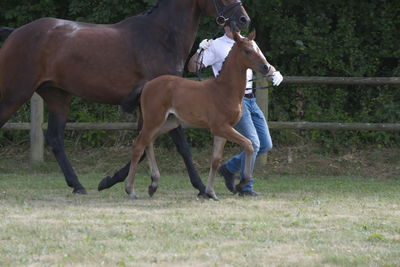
<point x="238" y="188"/>
<point x="79" y="191"/>
<point x="203" y="195"/>
<point x="152" y="190"/>
<point x="104" y="183"/>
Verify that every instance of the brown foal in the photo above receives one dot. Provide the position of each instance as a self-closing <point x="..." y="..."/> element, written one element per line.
<point x="214" y="103"/>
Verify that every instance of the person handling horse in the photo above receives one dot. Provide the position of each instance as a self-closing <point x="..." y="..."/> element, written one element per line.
<point x="252" y="124"/>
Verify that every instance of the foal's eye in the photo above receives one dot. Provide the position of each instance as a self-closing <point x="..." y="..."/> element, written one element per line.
<point x="248" y="52"/>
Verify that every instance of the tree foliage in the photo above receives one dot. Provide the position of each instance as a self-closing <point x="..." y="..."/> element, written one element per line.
<point x="301" y="38"/>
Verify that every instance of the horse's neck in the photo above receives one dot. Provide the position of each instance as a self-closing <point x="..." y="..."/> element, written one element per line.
<point x="233" y="76"/>
<point x="177" y="19"/>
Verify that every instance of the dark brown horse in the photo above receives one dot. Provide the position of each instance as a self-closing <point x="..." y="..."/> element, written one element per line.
<point x="60" y="59"/>
<point x="215" y="104"/>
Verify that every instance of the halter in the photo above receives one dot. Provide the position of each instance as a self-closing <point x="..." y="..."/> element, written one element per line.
<point x="221" y="21"/>
<point x="221" y="15"/>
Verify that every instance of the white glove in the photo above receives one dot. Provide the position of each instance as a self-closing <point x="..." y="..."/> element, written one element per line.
<point x="277" y="78"/>
<point x="204" y="45"/>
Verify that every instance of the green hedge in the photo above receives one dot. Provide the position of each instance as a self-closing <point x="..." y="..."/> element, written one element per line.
<point x="301" y="38"/>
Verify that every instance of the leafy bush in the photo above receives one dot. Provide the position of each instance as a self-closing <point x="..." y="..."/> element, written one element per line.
<point x="313" y="38"/>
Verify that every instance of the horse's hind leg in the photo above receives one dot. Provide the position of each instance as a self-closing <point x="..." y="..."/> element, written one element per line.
<point x="7" y="109"/>
<point x="58" y="104"/>
<point x="11" y="101"/>
<point x="182" y="146"/>
<point x="120" y="175"/>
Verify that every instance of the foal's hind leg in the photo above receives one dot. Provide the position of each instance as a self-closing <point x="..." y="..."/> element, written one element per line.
<point x="218" y="150"/>
<point x="138" y="147"/>
<point x="58" y="104"/>
<point x="155" y="173"/>
<point x="171" y="123"/>
<point x="182" y="146"/>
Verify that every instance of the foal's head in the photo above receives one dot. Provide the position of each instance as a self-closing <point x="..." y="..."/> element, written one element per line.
<point x="249" y="53"/>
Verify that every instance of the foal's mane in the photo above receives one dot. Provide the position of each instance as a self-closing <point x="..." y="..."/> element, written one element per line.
<point x="223" y="63"/>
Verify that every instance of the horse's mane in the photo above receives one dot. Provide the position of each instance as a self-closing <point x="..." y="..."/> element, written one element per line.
<point x="152" y="8"/>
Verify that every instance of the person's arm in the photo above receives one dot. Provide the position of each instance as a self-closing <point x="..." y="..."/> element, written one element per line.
<point x="195" y="61"/>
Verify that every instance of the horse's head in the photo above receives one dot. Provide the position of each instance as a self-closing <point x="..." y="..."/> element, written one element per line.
<point x="228" y="12"/>
<point x="250" y="54"/>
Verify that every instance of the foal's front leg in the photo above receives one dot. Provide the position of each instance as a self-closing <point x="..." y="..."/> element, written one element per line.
<point x="218" y="149"/>
<point x="232" y="135"/>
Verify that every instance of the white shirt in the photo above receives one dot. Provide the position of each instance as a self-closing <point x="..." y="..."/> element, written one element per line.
<point x="215" y="56"/>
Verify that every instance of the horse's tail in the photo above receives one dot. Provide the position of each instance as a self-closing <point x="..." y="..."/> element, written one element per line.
<point x="131" y="101"/>
<point x="5" y="32"/>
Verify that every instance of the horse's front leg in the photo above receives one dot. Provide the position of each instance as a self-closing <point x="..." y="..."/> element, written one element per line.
<point x="218" y="149"/>
<point x="58" y="104"/>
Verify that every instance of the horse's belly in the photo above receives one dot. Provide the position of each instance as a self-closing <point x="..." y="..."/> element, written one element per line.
<point x="103" y="87"/>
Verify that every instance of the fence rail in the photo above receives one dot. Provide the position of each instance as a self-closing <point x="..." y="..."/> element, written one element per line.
<point x="36" y="126"/>
<point x="343" y="80"/>
<point x="334" y="126"/>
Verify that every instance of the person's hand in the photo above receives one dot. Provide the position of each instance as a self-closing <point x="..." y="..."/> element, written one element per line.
<point x="277" y="78"/>
<point x="204" y="45"/>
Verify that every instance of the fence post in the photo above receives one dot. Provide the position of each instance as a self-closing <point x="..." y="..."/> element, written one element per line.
<point x="36" y="132"/>
<point x="262" y="101"/>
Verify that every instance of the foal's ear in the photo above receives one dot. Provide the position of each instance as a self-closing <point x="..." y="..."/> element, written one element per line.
<point x="252" y="35"/>
<point x="236" y="36"/>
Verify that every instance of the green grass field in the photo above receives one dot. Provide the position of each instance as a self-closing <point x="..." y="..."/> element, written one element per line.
<point x="298" y="221"/>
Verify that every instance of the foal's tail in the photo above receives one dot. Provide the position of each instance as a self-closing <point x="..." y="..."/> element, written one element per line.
<point x="131" y="101"/>
<point x="5" y="32"/>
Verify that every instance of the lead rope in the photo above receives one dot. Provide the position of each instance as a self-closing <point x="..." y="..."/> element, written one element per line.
<point x="199" y="60"/>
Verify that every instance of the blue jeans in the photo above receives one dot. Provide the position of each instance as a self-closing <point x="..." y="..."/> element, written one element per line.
<point x="252" y="125"/>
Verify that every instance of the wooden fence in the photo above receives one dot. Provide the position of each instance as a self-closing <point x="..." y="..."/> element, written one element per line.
<point x="36" y="126"/>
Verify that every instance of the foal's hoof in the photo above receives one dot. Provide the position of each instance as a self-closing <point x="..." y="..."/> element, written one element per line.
<point x="215" y="198"/>
<point x="79" y="191"/>
<point x="132" y="196"/>
<point x="131" y="193"/>
<point x="212" y="196"/>
<point x="152" y="190"/>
